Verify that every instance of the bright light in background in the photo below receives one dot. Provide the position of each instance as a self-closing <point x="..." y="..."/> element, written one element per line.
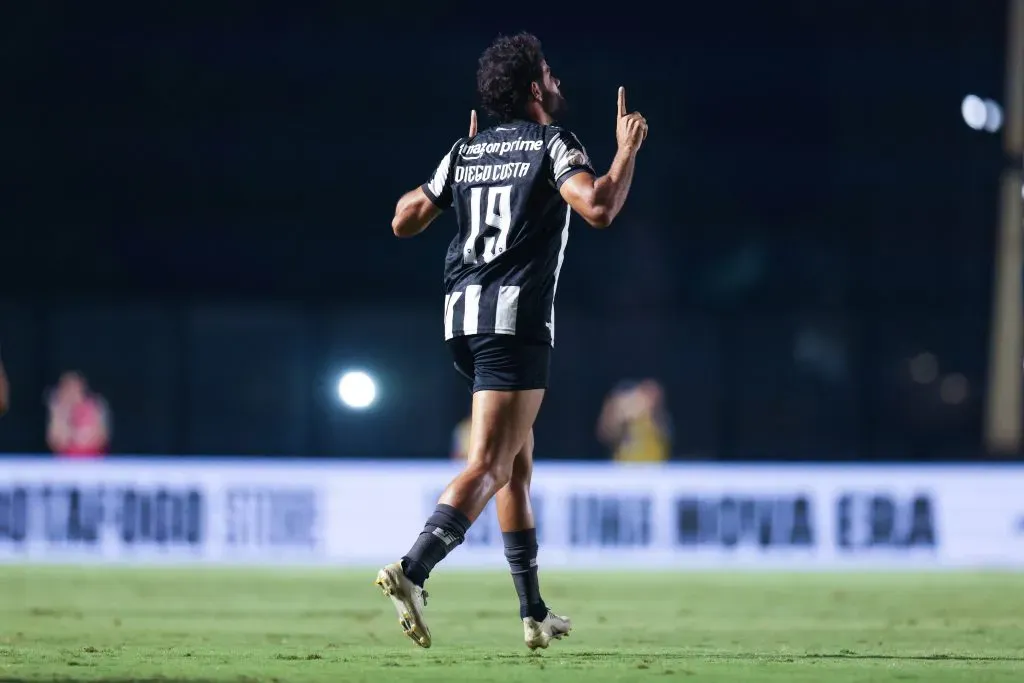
<point x="357" y="390"/>
<point x="981" y="114"/>
<point x="973" y="110"/>
<point x="993" y="116"/>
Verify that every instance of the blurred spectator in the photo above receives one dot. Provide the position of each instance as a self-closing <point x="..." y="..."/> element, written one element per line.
<point x="634" y="423"/>
<point x="79" y="420"/>
<point x="460" y="439"/>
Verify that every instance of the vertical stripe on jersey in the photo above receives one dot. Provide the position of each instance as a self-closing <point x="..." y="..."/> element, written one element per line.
<point x="438" y="182"/>
<point x="507" y="310"/>
<point x="471" y="310"/>
<point x="449" y="314"/>
<point x="566" y="153"/>
<point x="558" y="270"/>
<point x="557" y="150"/>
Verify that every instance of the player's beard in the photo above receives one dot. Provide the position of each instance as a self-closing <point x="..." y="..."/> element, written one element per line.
<point x="554" y="104"/>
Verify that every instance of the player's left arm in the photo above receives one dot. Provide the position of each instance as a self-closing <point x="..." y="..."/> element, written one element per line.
<point x="418" y="208"/>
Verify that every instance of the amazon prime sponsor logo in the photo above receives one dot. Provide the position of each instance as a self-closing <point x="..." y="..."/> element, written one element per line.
<point x="476" y="151"/>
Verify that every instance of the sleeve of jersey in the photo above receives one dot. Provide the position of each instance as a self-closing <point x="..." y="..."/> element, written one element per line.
<point x="568" y="157"/>
<point x="439" y="187"/>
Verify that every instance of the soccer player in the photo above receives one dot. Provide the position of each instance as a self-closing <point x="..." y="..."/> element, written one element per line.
<point x="511" y="186"/>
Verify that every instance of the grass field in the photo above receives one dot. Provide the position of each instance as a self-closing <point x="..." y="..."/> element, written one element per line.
<point x="236" y="625"/>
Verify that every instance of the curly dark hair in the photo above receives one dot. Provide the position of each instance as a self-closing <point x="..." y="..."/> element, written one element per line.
<point x="507" y="68"/>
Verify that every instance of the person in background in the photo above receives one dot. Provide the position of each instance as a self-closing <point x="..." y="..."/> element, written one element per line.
<point x="79" y="420"/>
<point x="634" y="423"/>
<point x="460" y="439"/>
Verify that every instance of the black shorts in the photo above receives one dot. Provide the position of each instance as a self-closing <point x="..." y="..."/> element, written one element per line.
<point x="501" y="362"/>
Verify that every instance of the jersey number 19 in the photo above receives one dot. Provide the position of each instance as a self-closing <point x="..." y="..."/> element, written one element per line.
<point x="488" y="231"/>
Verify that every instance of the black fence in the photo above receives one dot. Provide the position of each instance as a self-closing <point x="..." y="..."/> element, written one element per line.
<point x="241" y="378"/>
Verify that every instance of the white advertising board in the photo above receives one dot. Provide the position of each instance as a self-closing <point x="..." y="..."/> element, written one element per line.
<point x="791" y="517"/>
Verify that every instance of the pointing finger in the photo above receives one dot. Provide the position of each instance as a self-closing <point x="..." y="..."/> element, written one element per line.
<point x="472" y="123"/>
<point x="622" y="101"/>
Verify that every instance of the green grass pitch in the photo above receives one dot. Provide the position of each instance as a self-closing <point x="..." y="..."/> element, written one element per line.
<point x="115" y="624"/>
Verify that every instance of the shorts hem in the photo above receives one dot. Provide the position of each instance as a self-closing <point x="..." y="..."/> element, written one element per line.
<point x="504" y="332"/>
<point x="509" y="387"/>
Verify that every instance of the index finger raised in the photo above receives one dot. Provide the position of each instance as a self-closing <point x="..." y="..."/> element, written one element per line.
<point x="622" y="101"/>
<point x="472" y="123"/>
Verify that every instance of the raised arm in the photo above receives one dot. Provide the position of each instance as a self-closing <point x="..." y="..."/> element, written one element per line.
<point x="599" y="200"/>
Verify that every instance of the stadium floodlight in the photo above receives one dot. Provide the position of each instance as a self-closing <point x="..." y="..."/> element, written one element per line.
<point x="973" y="111"/>
<point x="993" y="116"/>
<point x="982" y="114"/>
<point x="357" y="389"/>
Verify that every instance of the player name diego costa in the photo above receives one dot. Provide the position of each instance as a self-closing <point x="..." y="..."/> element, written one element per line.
<point x="489" y="172"/>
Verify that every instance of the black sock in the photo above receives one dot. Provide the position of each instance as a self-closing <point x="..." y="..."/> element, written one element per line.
<point x="445" y="530"/>
<point x="521" y="553"/>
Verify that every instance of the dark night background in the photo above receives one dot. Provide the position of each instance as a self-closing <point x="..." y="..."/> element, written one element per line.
<point x="197" y="208"/>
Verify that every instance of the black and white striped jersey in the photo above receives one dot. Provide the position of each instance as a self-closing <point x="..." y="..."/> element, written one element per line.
<point x="502" y="268"/>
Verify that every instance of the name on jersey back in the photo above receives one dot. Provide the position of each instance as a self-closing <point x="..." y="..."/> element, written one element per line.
<point x="482" y="173"/>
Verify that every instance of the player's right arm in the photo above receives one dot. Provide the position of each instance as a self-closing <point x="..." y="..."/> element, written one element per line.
<point x="599" y="200"/>
<point x="418" y="208"/>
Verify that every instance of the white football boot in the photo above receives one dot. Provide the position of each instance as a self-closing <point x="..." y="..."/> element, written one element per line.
<point x="409" y="600"/>
<point x="541" y="633"/>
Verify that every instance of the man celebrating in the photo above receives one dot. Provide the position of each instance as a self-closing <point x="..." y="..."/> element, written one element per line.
<point x="512" y="187"/>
